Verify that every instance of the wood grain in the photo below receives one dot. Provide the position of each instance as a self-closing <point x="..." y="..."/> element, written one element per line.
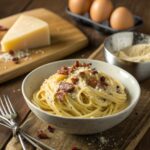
<point x="144" y="143"/>
<point x="66" y="39"/>
<point x="13" y="7"/>
<point x="9" y="7"/>
<point x="126" y="135"/>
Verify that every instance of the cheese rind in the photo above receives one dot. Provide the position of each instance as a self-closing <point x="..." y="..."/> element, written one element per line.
<point x="26" y="33"/>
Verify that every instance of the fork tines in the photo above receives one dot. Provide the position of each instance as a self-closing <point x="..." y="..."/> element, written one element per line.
<point x="6" y="107"/>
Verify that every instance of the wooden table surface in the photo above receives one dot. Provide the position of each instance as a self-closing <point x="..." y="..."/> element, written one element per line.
<point x="12" y="88"/>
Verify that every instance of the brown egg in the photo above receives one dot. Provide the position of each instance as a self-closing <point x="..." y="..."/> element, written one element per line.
<point x="101" y="10"/>
<point x="79" y="6"/>
<point x="121" y="19"/>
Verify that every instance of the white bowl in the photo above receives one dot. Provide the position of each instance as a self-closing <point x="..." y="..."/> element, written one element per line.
<point x="35" y="78"/>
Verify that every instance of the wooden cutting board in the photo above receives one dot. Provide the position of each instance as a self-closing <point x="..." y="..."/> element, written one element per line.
<point x="124" y="136"/>
<point x="65" y="37"/>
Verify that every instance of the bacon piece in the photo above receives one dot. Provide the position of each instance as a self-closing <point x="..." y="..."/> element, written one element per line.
<point x="92" y="82"/>
<point x="82" y="74"/>
<point x="74" y="80"/>
<point x="66" y="87"/>
<point x="42" y="135"/>
<point x="51" y="129"/>
<point x="60" y="95"/>
<point x="102" y="79"/>
<point x="70" y="70"/>
<point x="102" y="83"/>
<point x="86" y="65"/>
<point x="63" y="70"/>
<point x="77" y="64"/>
<point x="94" y="71"/>
<point x="67" y="70"/>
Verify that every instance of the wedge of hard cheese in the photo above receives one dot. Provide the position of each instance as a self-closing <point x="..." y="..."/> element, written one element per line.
<point x="26" y="33"/>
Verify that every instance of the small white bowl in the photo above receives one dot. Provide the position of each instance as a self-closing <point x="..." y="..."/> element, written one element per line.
<point x="35" y="78"/>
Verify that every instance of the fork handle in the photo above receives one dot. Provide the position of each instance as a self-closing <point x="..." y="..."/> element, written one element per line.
<point x="21" y="141"/>
<point x="36" y="142"/>
<point x="31" y="142"/>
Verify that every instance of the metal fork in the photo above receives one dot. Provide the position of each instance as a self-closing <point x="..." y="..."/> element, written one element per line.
<point x="8" y="115"/>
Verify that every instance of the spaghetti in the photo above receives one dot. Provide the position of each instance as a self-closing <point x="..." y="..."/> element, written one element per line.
<point x="80" y="91"/>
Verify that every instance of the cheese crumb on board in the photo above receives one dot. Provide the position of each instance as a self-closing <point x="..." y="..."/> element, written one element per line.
<point x="26" y="33"/>
<point x="19" y="54"/>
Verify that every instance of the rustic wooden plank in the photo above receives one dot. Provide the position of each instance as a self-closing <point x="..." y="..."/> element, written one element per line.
<point x="133" y="143"/>
<point x="13" y="89"/>
<point x="144" y="143"/>
<point x="65" y="40"/>
<point x="9" y="7"/>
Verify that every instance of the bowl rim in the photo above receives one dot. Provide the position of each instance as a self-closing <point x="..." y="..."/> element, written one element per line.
<point x="28" y="101"/>
<point x="120" y="59"/>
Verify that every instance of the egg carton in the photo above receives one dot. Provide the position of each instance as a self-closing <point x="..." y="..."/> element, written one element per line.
<point x="104" y="26"/>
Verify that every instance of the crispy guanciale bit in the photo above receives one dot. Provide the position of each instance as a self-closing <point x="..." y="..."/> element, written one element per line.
<point x="102" y="83"/>
<point x="66" y="87"/>
<point x="74" y="80"/>
<point x="78" y="64"/>
<point x="42" y="135"/>
<point x="86" y="65"/>
<point x="94" y="71"/>
<point x="51" y="129"/>
<point x="67" y="70"/>
<point x="102" y="79"/>
<point x="82" y="74"/>
<point x="63" y="70"/>
<point x="92" y="82"/>
<point x="60" y="95"/>
<point x="2" y="28"/>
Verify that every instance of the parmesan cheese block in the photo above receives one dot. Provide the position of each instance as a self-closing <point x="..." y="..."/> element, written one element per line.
<point x="26" y="33"/>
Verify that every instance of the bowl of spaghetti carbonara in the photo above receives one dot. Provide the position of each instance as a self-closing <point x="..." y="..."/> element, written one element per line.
<point x="81" y="96"/>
